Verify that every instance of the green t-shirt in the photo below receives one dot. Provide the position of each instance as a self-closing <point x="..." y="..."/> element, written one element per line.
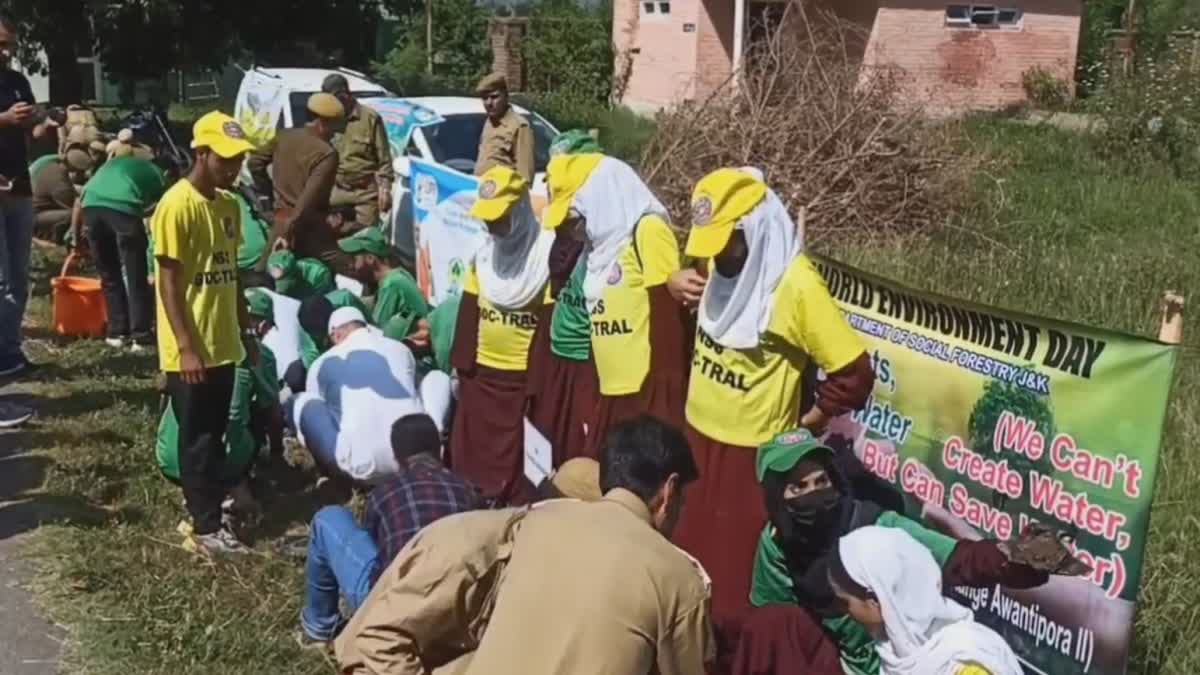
<point x="255" y="233"/>
<point x="772" y="584"/>
<point x="40" y="163"/>
<point x="311" y="346"/>
<point x="443" y="319"/>
<point x="253" y="387"/>
<point x="398" y="294"/>
<point x="129" y="185"/>
<point x="571" y="327"/>
<point x="309" y="277"/>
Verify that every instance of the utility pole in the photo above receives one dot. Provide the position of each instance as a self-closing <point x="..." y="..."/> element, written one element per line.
<point x="429" y="36"/>
<point x="1131" y="37"/>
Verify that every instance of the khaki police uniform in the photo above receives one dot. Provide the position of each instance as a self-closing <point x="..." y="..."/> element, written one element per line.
<point x="507" y="141"/>
<point x="606" y="591"/>
<point x="303" y="169"/>
<point x="364" y="163"/>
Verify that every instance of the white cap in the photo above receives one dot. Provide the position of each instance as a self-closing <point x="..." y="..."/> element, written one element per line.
<point x="343" y="316"/>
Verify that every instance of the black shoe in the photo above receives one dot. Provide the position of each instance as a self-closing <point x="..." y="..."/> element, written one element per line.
<point x="13" y="415"/>
<point x="15" y="365"/>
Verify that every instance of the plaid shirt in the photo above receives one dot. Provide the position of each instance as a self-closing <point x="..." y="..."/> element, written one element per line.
<point x="421" y="493"/>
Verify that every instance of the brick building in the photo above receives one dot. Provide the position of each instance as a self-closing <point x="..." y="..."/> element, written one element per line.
<point x="954" y="56"/>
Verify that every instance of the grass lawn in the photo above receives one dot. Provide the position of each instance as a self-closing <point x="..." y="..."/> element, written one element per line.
<point x="1056" y="231"/>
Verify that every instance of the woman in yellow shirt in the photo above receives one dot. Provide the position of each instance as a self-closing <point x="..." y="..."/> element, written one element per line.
<point x="503" y="294"/>
<point x="639" y="333"/>
<point x="764" y="316"/>
<point x="892" y="585"/>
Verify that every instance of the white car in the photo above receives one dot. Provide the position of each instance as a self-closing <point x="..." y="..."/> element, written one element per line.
<point x="281" y="95"/>
<point x="454" y="142"/>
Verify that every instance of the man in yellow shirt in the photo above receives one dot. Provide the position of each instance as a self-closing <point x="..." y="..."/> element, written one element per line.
<point x="764" y="316"/>
<point x="201" y="314"/>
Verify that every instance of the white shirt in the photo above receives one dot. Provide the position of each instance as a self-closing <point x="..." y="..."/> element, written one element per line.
<point x="368" y="382"/>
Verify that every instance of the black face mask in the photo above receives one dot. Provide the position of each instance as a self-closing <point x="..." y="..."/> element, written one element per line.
<point x="812" y="523"/>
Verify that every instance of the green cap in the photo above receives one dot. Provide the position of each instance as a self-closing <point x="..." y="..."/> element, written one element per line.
<point x="400" y="326"/>
<point x="370" y="240"/>
<point x="281" y="265"/>
<point x="782" y="453"/>
<point x="573" y="142"/>
<point x="260" y="303"/>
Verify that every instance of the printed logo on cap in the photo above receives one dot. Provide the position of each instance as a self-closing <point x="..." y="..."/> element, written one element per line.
<point x="234" y="130"/>
<point x="794" y="437"/>
<point x="487" y="189"/>
<point x="702" y="211"/>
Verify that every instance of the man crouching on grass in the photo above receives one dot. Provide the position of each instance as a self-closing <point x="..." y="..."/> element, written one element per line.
<point x="201" y="313"/>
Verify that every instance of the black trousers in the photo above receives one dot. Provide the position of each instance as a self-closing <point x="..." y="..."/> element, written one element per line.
<point x="119" y="242"/>
<point x="202" y="411"/>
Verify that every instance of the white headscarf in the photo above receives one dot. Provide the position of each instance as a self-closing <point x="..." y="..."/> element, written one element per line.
<point x="612" y="201"/>
<point x="927" y="633"/>
<point x="735" y="311"/>
<point x="513" y="269"/>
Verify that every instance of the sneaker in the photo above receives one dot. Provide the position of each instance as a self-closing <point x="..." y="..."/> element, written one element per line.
<point x="115" y="342"/>
<point x="139" y="344"/>
<point x="221" y="542"/>
<point x="13" y="415"/>
<point x="15" y="365"/>
<point x="309" y="642"/>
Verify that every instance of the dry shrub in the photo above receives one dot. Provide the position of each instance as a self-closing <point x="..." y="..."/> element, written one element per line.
<point x="830" y="136"/>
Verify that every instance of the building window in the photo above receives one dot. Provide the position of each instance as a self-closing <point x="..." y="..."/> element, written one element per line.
<point x="656" y="8"/>
<point x="983" y="16"/>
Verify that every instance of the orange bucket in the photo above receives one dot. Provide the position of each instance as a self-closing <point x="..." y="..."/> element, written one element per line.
<point x="79" y="309"/>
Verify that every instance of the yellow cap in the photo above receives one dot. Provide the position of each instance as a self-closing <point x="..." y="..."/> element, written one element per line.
<point x="326" y="106"/>
<point x="719" y="201"/>
<point x="564" y="176"/>
<point x="499" y="188"/>
<point x="221" y="134"/>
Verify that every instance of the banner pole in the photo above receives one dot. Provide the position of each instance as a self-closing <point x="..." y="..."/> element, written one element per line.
<point x="1171" y="330"/>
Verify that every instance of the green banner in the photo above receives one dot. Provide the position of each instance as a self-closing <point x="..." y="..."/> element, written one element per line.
<point x="986" y="419"/>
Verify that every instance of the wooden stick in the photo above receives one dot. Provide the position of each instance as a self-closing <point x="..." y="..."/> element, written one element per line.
<point x="1171" y="331"/>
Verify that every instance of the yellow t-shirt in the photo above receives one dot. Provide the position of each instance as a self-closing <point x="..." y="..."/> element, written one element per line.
<point x="621" y="318"/>
<point x="504" y="335"/>
<point x="746" y="397"/>
<point x="203" y="235"/>
<point x="973" y="669"/>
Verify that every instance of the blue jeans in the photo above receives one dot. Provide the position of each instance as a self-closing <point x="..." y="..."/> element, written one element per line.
<point x="341" y="557"/>
<point x="310" y="416"/>
<point x="16" y="241"/>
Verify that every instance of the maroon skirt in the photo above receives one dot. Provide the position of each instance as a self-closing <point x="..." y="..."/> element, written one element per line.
<point x="487" y="441"/>
<point x="722" y="520"/>
<point x="664" y="392"/>
<point x="561" y="401"/>
<point x="783" y="639"/>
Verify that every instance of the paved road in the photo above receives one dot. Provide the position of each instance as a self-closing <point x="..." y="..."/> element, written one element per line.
<point x="29" y="645"/>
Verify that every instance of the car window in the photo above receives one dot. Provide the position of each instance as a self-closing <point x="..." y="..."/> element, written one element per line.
<point x="455" y="140"/>
<point x="298" y="102"/>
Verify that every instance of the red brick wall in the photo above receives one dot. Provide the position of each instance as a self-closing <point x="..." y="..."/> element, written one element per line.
<point x="714" y="45"/>
<point x="663" y="55"/>
<point x="950" y="69"/>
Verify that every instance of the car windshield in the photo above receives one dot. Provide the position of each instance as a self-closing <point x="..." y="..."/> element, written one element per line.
<point x="455" y="140"/>
<point x="298" y="101"/>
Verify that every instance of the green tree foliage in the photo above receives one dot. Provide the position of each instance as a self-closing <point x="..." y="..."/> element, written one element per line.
<point x="145" y="39"/>
<point x="461" y="51"/>
<point x="569" y="51"/>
